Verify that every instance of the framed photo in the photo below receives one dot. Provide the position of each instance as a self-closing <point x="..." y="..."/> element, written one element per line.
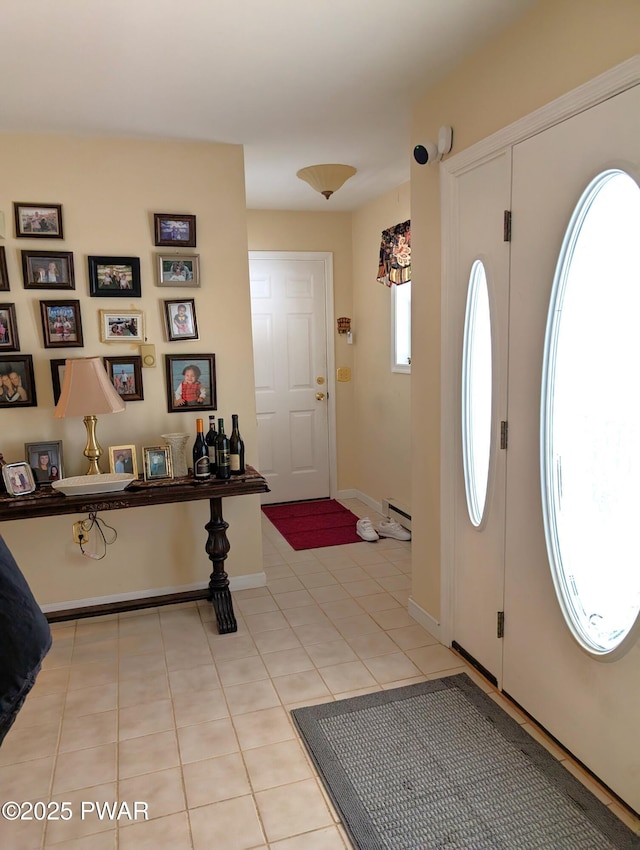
<point x="8" y="328"/>
<point x="157" y="463"/>
<point x="38" y="220"/>
<point x="178" y="269"/>
<point x="174" y="230"/>
<point x="57" y="377"/>
<point x="126" y="376"/>
<point x="4" y="274"/>
<point x="180" y="319"/>
<point x="191" y="382"/>
<point x="17" y="384"/>
<point x="121" y="326"/>
<point x="48" y="270"/>
<point x="114" y="277"/>
<point x="61" y="324"/>
<point x="123" y="459"/>
<point x="18" y="479"/>
<point x="45" y="461"/>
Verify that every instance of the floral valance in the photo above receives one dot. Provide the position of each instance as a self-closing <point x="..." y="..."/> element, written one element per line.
<point x="395" y="255"/>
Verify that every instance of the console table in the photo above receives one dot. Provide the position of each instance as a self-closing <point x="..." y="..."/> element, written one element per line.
<point x="48" y="502"/>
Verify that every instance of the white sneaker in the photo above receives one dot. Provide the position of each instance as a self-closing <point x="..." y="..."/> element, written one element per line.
<point x="365" y="529"/>
<point x="391" y="528"/>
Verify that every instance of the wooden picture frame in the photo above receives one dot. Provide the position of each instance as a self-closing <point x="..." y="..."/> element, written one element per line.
<point x="174" y="230"/>
<point x="61" y="324"/>
<point x="114" y="277"/>
<point x="202" y="368"/>
<point x="57" y="376"/>
<point x="125" y="373"/>
<point x="38" y="221"/>
<point x="45" y="461"/>
<point x="158" y="463"/>
<point x="4" y="274"/>
<point x="48" y="270"/>
<point x="18" y="479"/>
<point x="17" y="383"/>
<point x="122" y="326"/>
<point x="180" y="319"/>
<point x="179" y="270"/>
<point x="9" y="340"/>
<point x="125" y="457"/>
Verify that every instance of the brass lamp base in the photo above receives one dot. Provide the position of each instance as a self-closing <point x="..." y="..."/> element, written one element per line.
<point x="92" y="451"/>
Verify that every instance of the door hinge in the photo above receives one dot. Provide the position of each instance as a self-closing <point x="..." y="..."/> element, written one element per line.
<point x="504" y="434"/>
<point x="507" y="226"/>
<point x="500" y="624"/>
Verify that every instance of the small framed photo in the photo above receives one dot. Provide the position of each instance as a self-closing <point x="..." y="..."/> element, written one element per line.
<point x="114" y="277"/>
<point x="126" y="376"/>
<point x="174" y="230"/>
<point x="18" y="479"/>
<point x="191" y="382"/>
<point x="123" y="459"/>
<point x="48" y="270"/>
<point x="57" y="376"/>
<point x="38" y="220"/>
<point x="45" y="461"/>
<point x="121" y="326"/>
<point x="61" y="324"/>
<point x="157" y="463"/>
<point x="178" y="269"/>
<point x="17" y="384"/>
<point x="8" y="328"/>
<point x="4" y="274"/>
<point x="180" y="319"/>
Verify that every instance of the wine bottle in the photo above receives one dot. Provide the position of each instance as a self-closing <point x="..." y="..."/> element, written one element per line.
<point x="236" y="448"/>
<point x="222" y="452"/>
<point x="211" y="438"/>
<point x="200" y="455"/>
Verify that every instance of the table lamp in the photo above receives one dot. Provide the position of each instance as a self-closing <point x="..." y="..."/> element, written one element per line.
<point x="87" y="391"/>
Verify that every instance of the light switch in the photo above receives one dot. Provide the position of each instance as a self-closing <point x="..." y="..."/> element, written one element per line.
<point x="344" y="373"/>
<point x="148" y="354"/>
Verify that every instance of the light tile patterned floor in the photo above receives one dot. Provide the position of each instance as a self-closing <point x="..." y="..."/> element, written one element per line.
<point x="154" y="706"/>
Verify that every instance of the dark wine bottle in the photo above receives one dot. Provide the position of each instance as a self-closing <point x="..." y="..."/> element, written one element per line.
<point x="200" y="455"/>
<point x="222" y="452"/>
<point x="236" y="448"/>
<point x="211" y="439"/>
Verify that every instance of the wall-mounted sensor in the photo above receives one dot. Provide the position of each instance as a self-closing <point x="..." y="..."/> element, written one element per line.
<point x="430" y="152"/>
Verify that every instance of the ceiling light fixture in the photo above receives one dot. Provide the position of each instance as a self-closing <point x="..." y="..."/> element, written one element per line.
<point x="326" y="179"/>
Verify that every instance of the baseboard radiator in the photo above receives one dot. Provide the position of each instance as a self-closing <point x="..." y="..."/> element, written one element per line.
<point x="394" y="509"/>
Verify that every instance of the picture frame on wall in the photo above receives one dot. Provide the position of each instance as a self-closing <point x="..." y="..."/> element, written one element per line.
<point x="38" y="221"/>
<point x="9" y="340"/>
<point x="4" y="274"/>
<point x="48" y="270"/>
<point x="121" y="326"/>
<point x="180" y="319"/>
<point x="178" y="270"/>
<point x="17" y="383"/>
<point x="125" y="373"/>
<point x="123" y="459"/>
<point x="158" y="463"/>
<point x="191" y="382"/>
<point x="57" y="376"/>
<point x="174" y="230"/>
<point x="18" y="479"/>
<point x="61" y="324"/>
<point x="45" y="460"/>
<point x="114" y="277"/>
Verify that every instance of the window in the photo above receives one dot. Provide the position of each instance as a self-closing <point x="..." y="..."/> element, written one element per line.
<point x="401" y="327"/>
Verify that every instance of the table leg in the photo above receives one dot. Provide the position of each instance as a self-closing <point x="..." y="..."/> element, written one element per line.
<point x="217" y="548"/>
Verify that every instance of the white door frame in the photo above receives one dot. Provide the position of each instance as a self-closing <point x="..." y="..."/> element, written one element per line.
<point x="604" y="86"/>
<point x="326" y="257"/>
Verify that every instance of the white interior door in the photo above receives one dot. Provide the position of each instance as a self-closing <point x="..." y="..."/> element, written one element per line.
<point x="289" y="304"/>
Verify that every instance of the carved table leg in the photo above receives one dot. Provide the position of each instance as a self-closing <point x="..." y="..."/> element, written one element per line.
<point x="217" y="548"/>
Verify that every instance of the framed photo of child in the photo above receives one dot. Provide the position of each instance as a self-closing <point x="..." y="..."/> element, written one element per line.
<point x="191" y="382"/>
<point x="126" y="376"/>
<point x="8" y="328"/>
<point x="180" y="319"/>
<point x="61" y="324"/>
<point x="157" y="463"/>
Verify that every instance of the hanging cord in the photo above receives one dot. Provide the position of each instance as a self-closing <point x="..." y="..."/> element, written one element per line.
<point x="100" y="526"/>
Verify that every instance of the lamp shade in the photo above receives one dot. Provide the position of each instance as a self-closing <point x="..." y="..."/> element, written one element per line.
<point x="326" y="179"/>
<point x="87" y="390"/>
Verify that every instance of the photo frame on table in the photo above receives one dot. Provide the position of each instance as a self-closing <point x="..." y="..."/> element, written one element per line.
<point x="114" y="277"/>
<point x="123" y="459"/>
<point x="9" y="340"/>
<point x="18" y="479"/>
<point x="121" y="326"/>
<point x="4" y="274"/>
<point x="178" y="270"/>
<point x="191" y="382"/>
<point x="61" y="324"/>
<point x="180" y="319"/>
<point x="57" y="376"/>
<point x="125" y="373"/>
<point x="174" y="230"/>
<point x="45" y="461"/>
<point x="48" y="270"/>
<point x="38" y="221"/>
<point x="158" y="463"/>
<point x="17" y="383"/>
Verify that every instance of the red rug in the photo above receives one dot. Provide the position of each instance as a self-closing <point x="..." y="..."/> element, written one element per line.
<point x="312" y="525"/>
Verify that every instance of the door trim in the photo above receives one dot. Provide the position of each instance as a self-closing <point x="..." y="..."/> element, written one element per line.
<point x="606" y="85"/>
<point x="326" y="257"/>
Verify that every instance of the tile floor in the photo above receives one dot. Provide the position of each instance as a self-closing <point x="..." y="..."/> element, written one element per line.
<point x="155" y="707"/>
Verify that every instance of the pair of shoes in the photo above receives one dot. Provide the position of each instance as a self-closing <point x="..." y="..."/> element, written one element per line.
<point x="365" y="529"/>
<point x="391" y="528"/>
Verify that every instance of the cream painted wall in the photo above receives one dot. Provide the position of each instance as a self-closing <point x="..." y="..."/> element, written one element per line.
<point x="554" y="47"/>
<point x="109" y="190"/>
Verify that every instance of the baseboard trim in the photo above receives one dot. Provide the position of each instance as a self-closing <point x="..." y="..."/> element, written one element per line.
<point x="357" y="494"/>
<point x="424" y="619"/>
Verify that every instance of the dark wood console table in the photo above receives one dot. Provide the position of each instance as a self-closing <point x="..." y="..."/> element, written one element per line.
<point x="47" y="502"/>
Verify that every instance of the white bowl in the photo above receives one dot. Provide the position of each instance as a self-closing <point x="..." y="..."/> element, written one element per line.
<point x="80" y="485"/>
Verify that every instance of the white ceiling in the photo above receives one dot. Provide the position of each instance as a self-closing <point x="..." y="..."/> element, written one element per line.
<point x="297" y="82"/>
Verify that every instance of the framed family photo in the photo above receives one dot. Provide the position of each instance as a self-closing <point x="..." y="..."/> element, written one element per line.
<point x="61" y="324"/>
<point x="8" y="328"/>
<point x="191" y="382"/>
<point x="180" y="319"/>
<point x="45" y="461"/>
<point x="17" y="384"/>
<point x="175" y="230"/>
<point x="125" y="374"/>
<point x="123" y="459"/>
<point x="38" y="220"/>
<point x="4" y="274"/>
<point x="157" y="463"/>
<point x="18" y="479"/>
<point x="178" y="270"/>
<point x="121" y="326"/>
<point x="48" y="270"/>
<point x="114" y="277"/>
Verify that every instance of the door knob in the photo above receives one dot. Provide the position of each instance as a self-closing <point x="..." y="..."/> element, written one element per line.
<point x="320" y="396"/>
<point x="319" y="380"/>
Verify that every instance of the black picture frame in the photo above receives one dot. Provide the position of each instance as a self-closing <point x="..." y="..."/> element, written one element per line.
<point x="57" y="376"/>
<point x="125" y="373"/>
<point x="61" y="324"/>
<point x="204" y="369"/>
<point x="180" y="319"/>
<point x="48" y="270"/>
<point x="54" y="470"/>
<point x="114" y="277"/>
<point x="9" y="340"/>
<point x="174" y="230"/>
<point x="21" y="390"/>
<point x="38" y="221"/>
<point x="4" y="274"/>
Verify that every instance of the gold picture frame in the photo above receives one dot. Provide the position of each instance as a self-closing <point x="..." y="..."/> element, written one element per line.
<point x="125" y="456"/>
